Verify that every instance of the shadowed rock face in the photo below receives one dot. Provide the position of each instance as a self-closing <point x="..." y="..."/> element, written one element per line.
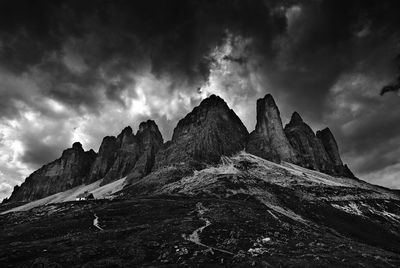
<point x="125" y="157"/>
<point x="105" y="158"/>
<point x="268" y="140"/>
<point x="117" y="157"/>
<point x="206" y="133"/>
<point x="150" y="140"/>
<point x="329" y="142"/>
<point x="211" y="130"/>
<point x="332" y="149"/>
<point x="136" y="153"/>
<point x="310" y="149"/>
<point x="70" y="170"/>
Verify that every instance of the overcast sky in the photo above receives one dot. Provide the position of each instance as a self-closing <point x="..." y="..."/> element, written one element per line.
<point x="81" y="70"/>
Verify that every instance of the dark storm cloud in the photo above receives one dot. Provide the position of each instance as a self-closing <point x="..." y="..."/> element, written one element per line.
<point x="82" y="54"/>
<point x="323" y="44"/>
<point x="112" y="37"/>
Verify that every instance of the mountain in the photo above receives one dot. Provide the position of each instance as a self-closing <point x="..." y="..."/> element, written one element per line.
<point x="244" y="212"/>
<point x="268" y="140"/>
<point x="332" y="149"/>
<point x="311" y="151"/>
<point x="68" y="171"/>
<point x="150" y="140"/>
<point x="208" y="132"/>
<point x="213" y="196"/>
<point x="117" y="157"/>
<point x="104" y="159"/>
<point x="212" y="129"/>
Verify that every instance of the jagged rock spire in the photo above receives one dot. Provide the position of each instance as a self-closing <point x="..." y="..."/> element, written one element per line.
<point x="296" y="118"/>
<point x="310" y="149"/>
<point x="66" y="172"/>
<point x="328" y="140"/>
<point x="268" y="140"/>
<point x="212" y="129"/>
<point x="136" y="152"/>
<point x="105" y="158"/>
<point x="331" y="147"/>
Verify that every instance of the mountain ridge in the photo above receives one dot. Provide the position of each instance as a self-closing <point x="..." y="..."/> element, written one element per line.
<point x="196" y="201"/>
<point x="209" y="131"/>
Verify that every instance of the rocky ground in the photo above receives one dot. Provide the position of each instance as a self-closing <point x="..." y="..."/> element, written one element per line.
<point x="244" y="212"/>
<point x="167" y="232"/>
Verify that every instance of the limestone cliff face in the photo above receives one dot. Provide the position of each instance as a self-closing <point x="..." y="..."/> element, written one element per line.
<point x="330" y="145"/>
<point x="126" y="156"/>
<point x="104" y="160"/>
<point x="206" y="133"/>
<point x="136" y="153"/>
<point x="70" y="170"/>
<point x="310" y="149"/>
<point x="268" y="140"/>
<point x="328" y="140"/>
<point x="151" y="141"/>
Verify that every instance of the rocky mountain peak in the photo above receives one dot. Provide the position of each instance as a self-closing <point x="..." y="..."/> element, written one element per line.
<point x="210" y="130"/>
<point x="147" y="126"/>
<point x="150" y="140"/>
<point x="269" y="100"/>
<point x="310" y="149"/>
<point x="126" y="131"/>
<point x="212" y="100"/>
<point x="328" y="141"/>
<point x="126" y="137"/>
<point x="268" y="140"/>
<point x="330" y="145"/>
<point x="64" y="173"/>
<point x="148" y="132"/>
<point x="75" y="149"/>
<point x="296" y="119"/>
<point x="77" y="146"/>
<point x="201" y="114"/>
<point x="105" y="158"/>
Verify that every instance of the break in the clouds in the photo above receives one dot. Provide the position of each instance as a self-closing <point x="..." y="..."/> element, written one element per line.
<point x="81" y="70"/>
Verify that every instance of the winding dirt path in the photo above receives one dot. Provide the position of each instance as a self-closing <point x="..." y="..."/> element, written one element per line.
<point x="96" y="223"/>
<point x="195" y="238"/>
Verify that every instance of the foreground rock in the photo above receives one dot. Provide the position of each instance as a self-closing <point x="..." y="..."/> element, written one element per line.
<point x="268" y="140"/>
<point x="70" y="170"/>
<point x="206" y="133"/>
